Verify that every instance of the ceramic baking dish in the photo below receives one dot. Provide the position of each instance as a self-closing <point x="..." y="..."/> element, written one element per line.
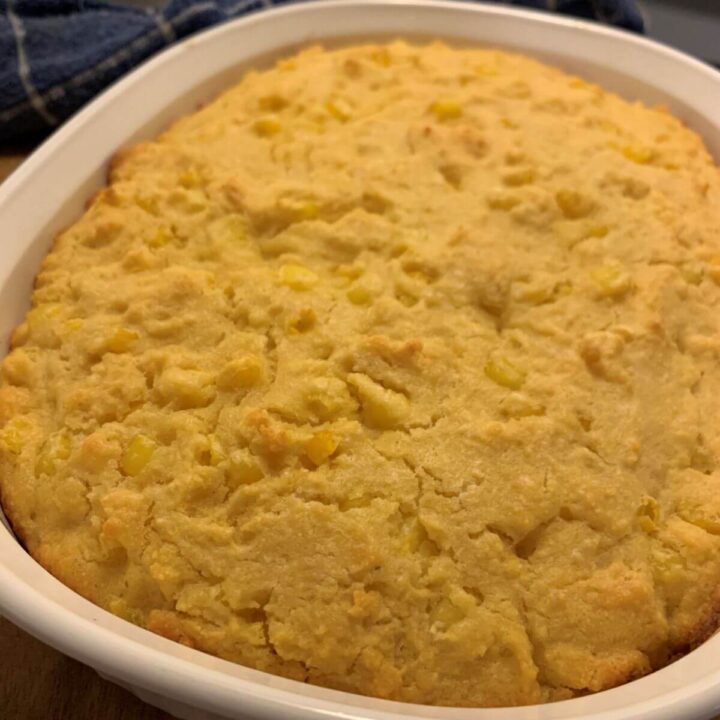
<point x="49" y="191"/>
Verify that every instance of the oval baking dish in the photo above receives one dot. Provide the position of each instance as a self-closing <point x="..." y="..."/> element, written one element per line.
<point x="71" y="165"/>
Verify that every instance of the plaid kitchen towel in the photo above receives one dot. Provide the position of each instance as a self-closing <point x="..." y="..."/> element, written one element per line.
<point x="55" y="55"/>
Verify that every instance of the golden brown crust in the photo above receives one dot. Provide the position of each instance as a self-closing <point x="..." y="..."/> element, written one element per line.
<point x="402" y="381"/>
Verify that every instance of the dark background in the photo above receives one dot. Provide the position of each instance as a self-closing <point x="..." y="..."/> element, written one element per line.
<point x="691" y="25"/>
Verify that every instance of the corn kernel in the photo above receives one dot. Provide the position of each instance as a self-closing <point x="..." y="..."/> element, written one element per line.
<point x="57" y="447"/>
<point x="191" y="178"/>
<point x="398" y="249"/>
<point x="648" y="515"/>
<point x="119" y="606"/>
<point x="517" y="90"/>
<point x="267" y="126"/>
<point x="669" y="564"/>
<point x="537" y="292"/>
<point x="406" y="298"/>
<point x="305" y="211"/>
<point x="352" y="503"/>
<point x="326" y="397"/>
<point x="611" y="280"/>
<point x="418" y="275"/>
<point x="303" y="322"/>
<point x="228" y="229"/>
<point x="241" y="373"/>
<point x="639" y="154"/>
<point x="20" y="335"/>
<point x="564" y="287"/>
<point x="149" y="203"/>
<point x="382" y="57"/>
<point x="17" y="368"/>
<point x="446" y="109"/>
<point x="712" y="269"/>
<point x="137" y="455"/>
<point x="573" y="204"/>
<point x="297" y="277"/>
<point x="646" y="524"/>
<point x="321" y="446"/>
<point x="187" y="388"/>
<point x="243" y="469"/>
<point x="217" y="454"/>
<point x="159" y="238"/>
<point x="502" y="200"/>
<point x="316" y="124"/>
<point x="189" y="201"/>
<point x="350" y="272"/>
<point x="692" y="273"/>
<point x="518" y="405"/>
<point x="272" y="103"/>
<point x="40" y="315"/>
<point x="62" y="445"/>
<point x="596" y="231"/>
<point x="520" y="177"/>
<point x="502" y="372"/>
<point x="604" y="124"/>
<point x="72" y="325"/>
<point x="12" y="436"/>
<point x="446" y="614"/>
<point x="45" y="310"/>
<point x="382" y="408"/>
<point x="634" y="188"/>
<point x="339" y="109"/>
<point x="359" y="295"/>
<point x="416" y="540"/>
<point x="121" y="340"/>
<point x="515" y="156"/>
<point x="573" y="232"/>
<point x="486" y="68"/>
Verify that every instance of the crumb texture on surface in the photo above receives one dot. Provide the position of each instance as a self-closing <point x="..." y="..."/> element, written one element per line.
<point x="393" y="370"/>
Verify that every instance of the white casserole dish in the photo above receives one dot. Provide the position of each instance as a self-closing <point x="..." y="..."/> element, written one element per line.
<point x="48" y="192"/>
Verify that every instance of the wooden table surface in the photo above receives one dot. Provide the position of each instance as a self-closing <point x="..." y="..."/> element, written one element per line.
<point x="38" y="683"/>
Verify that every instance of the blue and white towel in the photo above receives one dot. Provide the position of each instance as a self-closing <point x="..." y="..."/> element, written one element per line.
<point x="55" y="55"/>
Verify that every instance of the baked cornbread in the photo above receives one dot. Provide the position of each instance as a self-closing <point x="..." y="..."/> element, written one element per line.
<point x="393" y="370"/>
